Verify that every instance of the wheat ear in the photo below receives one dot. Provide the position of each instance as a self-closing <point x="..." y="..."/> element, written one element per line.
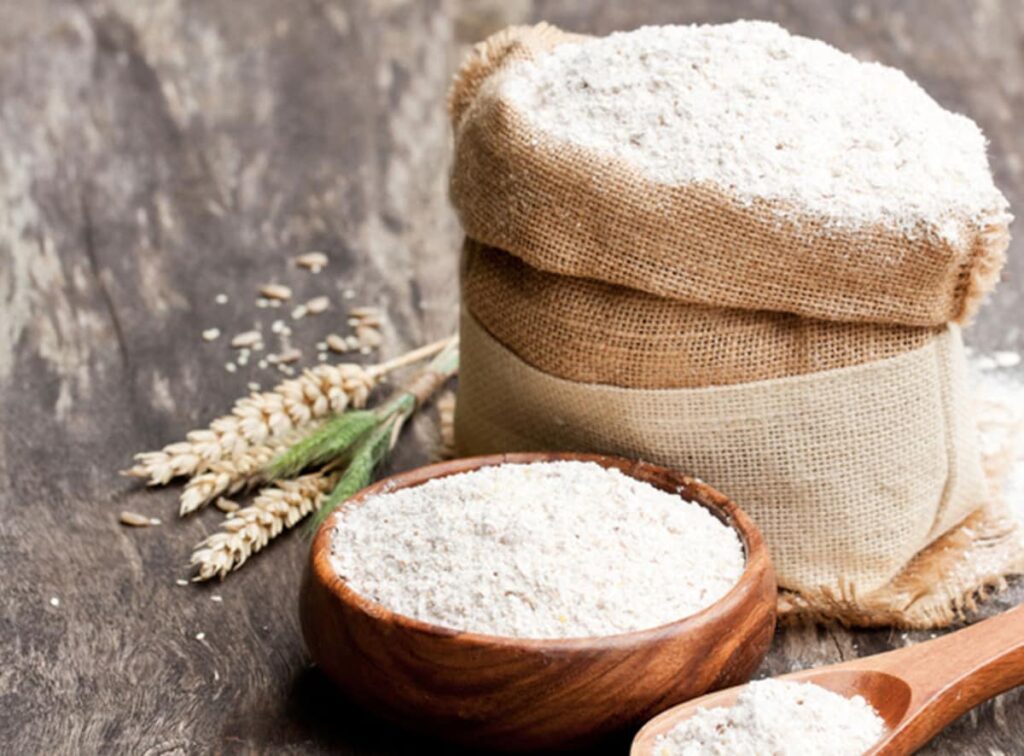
<point x="232" y="474"/>
<point x="291" y="405"/>
<point x="248" y="530"/>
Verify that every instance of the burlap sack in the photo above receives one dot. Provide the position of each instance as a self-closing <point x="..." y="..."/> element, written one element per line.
<point x="595" y="332"/>
<point x="565" y="210"/>
<point x="849" y="472"/>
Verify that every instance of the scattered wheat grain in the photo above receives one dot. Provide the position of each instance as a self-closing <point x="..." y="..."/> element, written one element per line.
<point x="289" y="356"/>
<point x="134" y="519"/>
<point x="312" y="260"/>
<point x="276" y="292"/>
<point x="211" y="334"/>
<point x="246" y="339"/>
<point x="336" y="343"/>
<point x="365" y="312"/>
<point x="318" y="305"/>
<point x="368" y="336"/>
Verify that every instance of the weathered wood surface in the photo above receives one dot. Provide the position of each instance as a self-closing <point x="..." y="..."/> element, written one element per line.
<point x="154" y="153"/>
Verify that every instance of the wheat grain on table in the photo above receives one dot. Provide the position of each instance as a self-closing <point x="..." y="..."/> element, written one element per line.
<point x="159" y="163"/>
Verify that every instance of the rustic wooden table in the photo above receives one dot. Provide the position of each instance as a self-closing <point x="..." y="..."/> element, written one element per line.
<point x="155" y="153"/>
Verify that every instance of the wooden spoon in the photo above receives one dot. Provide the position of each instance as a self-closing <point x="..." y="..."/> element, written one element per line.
<point x="917" y="690"/>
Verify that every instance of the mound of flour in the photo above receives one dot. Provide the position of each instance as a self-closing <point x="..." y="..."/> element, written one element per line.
<point x="545" y="550"/>
<point x="764" y="114"/>
<point x="778" y="718"/>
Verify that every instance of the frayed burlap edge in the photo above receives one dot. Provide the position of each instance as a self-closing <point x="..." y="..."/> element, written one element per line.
<point x="941" y="585"/>
<point x="981" y="271"/>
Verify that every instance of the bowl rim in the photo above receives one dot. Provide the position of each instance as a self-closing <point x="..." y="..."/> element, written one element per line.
<point x="757" y="559"/>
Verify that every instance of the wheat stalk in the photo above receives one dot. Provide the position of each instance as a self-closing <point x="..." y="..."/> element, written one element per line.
<point x="352" y="446"/>
<point x="248" y="530"/>
<point x="259" y="417"/>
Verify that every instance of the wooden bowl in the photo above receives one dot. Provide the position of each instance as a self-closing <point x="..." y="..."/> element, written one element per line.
<point x="526" y="694"/>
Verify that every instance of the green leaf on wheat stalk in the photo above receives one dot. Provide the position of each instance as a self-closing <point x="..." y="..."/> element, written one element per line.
<point x="369" y="453"/>
<point x="332" y="440"/>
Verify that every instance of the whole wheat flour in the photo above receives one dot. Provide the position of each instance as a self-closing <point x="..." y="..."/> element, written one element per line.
<point x="778" y="718"/>
<point x="763" y="114"/>
<point x="544" y="550"/>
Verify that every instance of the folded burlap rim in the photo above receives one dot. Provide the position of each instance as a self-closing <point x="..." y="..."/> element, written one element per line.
<point x="595" y="332"/>
<point x="566" y="210"/>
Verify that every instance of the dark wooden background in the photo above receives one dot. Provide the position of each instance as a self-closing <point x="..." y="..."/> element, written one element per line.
<point x="154" y="153"/>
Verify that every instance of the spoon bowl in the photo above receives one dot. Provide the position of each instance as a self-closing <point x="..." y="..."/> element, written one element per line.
<point x="526" y="694"/>
<point x="917" y="690"/>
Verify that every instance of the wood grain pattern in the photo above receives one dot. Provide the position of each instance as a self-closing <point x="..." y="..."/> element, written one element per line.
<point x="154" y="153"/>
<point x="917" y="690"/>
<point x="530" y="695"/>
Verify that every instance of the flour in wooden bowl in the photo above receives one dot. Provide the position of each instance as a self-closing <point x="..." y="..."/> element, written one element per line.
<point x="541" y="550"/>
<point x="778" y="718"/>
<point x="765" y="115"/>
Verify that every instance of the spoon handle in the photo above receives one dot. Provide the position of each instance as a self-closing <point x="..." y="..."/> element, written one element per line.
<point x="952" y="674"/>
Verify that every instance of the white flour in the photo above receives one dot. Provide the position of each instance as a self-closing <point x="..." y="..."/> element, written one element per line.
<point x="766" y="115"/>
<point x="778" y="718"/>
<point x="546" y="550"/>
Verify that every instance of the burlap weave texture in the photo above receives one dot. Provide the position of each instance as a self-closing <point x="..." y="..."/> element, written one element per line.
<point x="595" y="332"/>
